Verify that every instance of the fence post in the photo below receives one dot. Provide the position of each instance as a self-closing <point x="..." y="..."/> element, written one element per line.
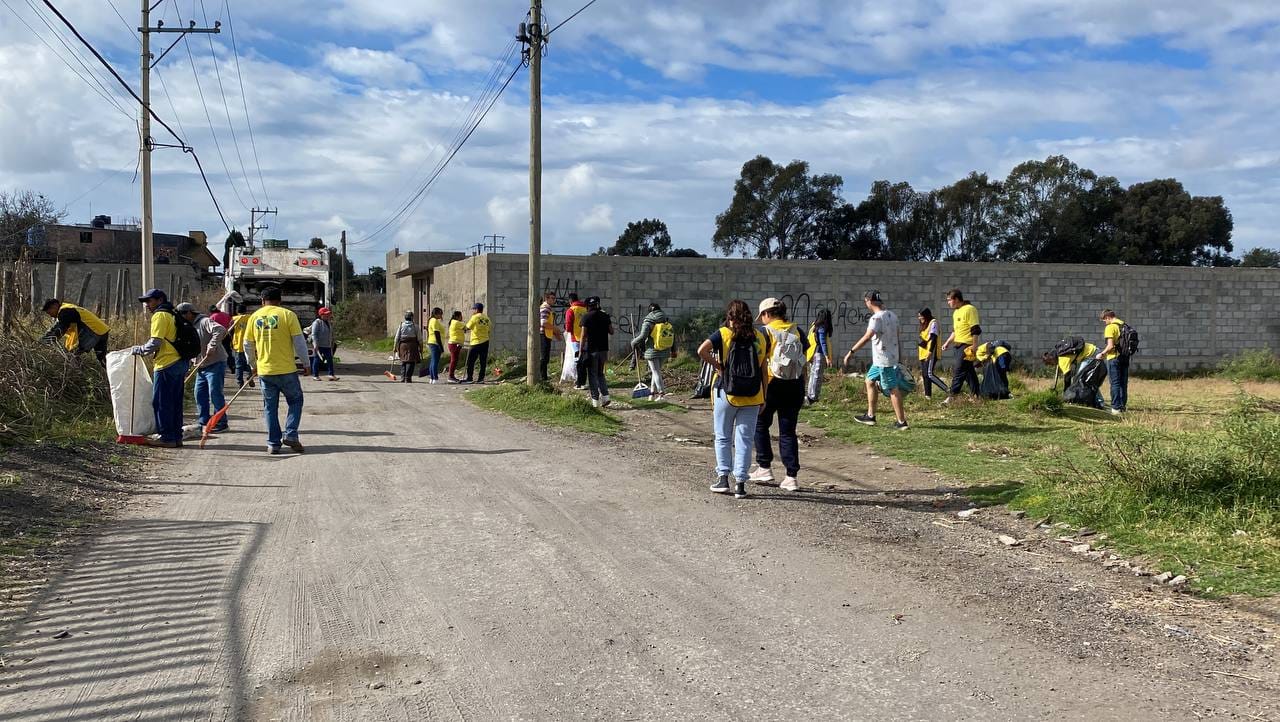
<point x="7" y="289"/>
<point x="84" y="289"/>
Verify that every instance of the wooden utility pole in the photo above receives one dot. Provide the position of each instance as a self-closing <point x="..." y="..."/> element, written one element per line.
<point x="343" y="262"/>
<point x="145" y="144"/>
<point x="534" y="346"/>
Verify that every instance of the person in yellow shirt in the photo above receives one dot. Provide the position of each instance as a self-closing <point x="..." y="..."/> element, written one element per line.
<point x="966" y="334"/>
<point x="1117" y="363"/>
<point x="169" y="368"/>
<point x="740" y="360"/>
<point x="79" y="329"/>
<point x="550" y="332"/>
<point x="239" y="323"/>
<point x="480" y="328"/>
<point x="457" y="334"/>
<point x="784" y="396"/>
<point x="435" y="344"/>
<point x="272" y="341"/>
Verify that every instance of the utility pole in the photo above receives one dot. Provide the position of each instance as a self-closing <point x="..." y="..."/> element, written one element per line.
<point x="254" y="215"/>
<point x="533" y="347"/>
<point x="145" y="144"/>
<point x="344" y="266"/>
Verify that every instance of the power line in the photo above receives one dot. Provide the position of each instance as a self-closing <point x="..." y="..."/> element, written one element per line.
<point x="77" y="55"/>
<point x="127" y="26"/>
<point x="426" y="187"/>
<point x="235" y="142"/>
<point x="146" y="108"/>
<point x="209" y="118"/>
<point x="95" y="87"/>
<point x="235" y="53"/>
<point x="562" y="22"/>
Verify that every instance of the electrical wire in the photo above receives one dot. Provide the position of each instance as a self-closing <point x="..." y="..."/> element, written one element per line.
<point x="149" y="110"/>
<point x="253" y="143"/>
<point x="93" y="85"/>
<point x="79" y="57"/>
<point x="574" y="15"/>
<point x="127" y="26"/>
<point x="235" y="142"/>
<point x="208" y="117"/>
<point x="426" y="187"/>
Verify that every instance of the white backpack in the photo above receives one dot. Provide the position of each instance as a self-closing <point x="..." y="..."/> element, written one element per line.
<point x="787" y="359"/>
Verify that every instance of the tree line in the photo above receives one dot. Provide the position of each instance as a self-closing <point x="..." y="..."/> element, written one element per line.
<point x="1050" y="211"/>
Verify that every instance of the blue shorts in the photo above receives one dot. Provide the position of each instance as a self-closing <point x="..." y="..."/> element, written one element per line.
<point x="888" y="378"/>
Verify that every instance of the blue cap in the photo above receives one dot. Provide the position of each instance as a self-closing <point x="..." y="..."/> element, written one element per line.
<point x="478" y="307"/>
<point x="153" y="293"/>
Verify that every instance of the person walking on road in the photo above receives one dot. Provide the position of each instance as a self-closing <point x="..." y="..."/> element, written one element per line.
<point x="819" y="353"/>
<point x="654" y="342"/>
<point x="169" y="368"/>
<point x="457" y="334"/>
<point x="597" y="327"/>
<point x="928" y="352"/>
<point x="435" y="343"/>
<point x="273" y="340"/>
<point x="550" y="332"/>
<point x="211" y="365"/>
<point x="884" y="376"/>
<point x="480" y="328"/>
<point x="321" y="334"/>
<point x="1117" y="362"/>
<point x="739" y="354"/>
<point x="80" y="329"/>
<point x="223" y="319"/>
<point x="784" y="395"/>
<point x="966" y="334"/>
<point x="573" y="317"/>
<point x="408" y="347"/>
<point x="238" y="324"/>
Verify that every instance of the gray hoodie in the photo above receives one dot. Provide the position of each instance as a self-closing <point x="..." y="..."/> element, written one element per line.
<point x="321" y="334"/>
<point x="644" y="340"/>
<point x="211" y="335"/>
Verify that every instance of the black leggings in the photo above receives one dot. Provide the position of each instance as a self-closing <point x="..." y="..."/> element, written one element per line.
<point x="406" y="372"/>
<point x="478" y="352"/>
<point x="929" y="374"/>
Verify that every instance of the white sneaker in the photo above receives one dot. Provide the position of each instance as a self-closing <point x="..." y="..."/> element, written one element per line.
<point x="761" y="474"/>
<point x="595" y="403"/>
<point x="789" y="484"/>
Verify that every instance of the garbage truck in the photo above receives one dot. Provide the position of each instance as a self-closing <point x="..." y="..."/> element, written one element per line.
<point x="302" y="274"/>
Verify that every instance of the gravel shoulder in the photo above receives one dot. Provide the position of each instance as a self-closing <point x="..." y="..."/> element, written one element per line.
<point x="425" y="559"/>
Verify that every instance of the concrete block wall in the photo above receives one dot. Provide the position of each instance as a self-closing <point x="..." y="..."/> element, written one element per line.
<point x="1187" y="317"/>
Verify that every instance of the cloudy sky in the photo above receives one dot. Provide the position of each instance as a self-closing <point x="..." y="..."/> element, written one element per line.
<point x="650" y="108"/>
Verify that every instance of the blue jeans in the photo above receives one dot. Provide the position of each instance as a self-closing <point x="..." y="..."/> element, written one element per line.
<point x="1118" y="371"/>
<point x="209" y="382"/>
<point x="272" y="387"/>
<point x="166" y="400"/>
<point x="433" y="364"/>
<point x="322" y="358"/>
<point x="243" y="370"/>
<point x="735" y="428"/>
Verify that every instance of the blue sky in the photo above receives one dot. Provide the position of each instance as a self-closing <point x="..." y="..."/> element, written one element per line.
<point x="651" y="108"/>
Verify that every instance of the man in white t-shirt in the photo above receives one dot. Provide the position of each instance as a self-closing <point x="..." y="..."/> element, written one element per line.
<point x="882" y="334"/>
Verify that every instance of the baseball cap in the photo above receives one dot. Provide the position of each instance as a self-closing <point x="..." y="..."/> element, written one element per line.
<point x="153" y="293"/>
<point x="478" y="307"/>
<point x="185" y="308"/>
<point x="768" y="305"/>
<point x="324" y="312"/>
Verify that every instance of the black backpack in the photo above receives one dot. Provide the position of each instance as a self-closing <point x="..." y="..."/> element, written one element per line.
<point x="1128" y="342"/>
<point x="742" y="369"/>
<point x="187" y="340"/>
<point x="1068" y="346"/>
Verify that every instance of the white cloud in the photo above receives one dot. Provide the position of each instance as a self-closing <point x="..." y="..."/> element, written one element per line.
<point x="378" y="67"/>
<point x="599" y="219"/>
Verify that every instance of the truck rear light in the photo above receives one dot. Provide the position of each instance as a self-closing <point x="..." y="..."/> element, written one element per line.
<point x="255" y="261"/>
<point x="244" y="261"/>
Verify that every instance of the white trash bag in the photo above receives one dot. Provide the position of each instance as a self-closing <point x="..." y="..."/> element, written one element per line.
<point x="570" y="370"/>
<point x="130" y="394"/>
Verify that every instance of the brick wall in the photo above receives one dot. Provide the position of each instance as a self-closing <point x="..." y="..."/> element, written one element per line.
<point x="1187" y="317"/>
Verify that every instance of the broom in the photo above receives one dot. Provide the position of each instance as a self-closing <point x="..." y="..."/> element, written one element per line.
<point x="217" y="417"/>
<point x="642" y="390"/>
<point x="391" y="359"/>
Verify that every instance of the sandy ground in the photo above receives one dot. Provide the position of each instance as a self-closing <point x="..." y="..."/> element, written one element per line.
<point x="427" y="560"/>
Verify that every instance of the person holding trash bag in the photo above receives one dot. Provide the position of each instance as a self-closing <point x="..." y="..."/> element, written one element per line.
<point x="173" y="343"/>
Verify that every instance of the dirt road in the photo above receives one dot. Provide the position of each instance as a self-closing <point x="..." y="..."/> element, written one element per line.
<point x="426" y="560"/>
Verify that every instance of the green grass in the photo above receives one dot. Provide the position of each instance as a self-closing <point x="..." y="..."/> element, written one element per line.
<point x="1173" y="482"/>
<point x="545" y="406"/>
<point x="381" y="345"/>
<point x="1256" y="365"/>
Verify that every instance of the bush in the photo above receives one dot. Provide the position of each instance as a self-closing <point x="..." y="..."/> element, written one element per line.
<point x="693" y="329"/>
<point x="1047" y="401"/>
<point x="1255" y="365"/>
<point x="46" y="392"/>
<point x="363" y="316"/>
